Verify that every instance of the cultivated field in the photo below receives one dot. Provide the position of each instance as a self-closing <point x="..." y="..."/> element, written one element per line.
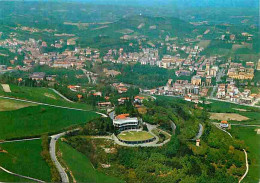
<point x="24" y="158"/>
<point x="81" y="167"/>
<point x="135" y="136"/>
<point x="36" y="120"/>
<point x="10" y="105"/>
<point x="44" y="95"/>
<point x="228" y="116"/>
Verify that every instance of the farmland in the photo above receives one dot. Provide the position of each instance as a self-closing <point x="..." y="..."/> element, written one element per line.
<point x="40" y="94"/>
<point x="9" y="105"/>
<point x="24" y="158"/>
<point x="36" y="120"/>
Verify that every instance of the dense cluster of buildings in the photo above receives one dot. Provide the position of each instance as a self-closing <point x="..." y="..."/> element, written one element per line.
<point x="231" y="93"/>
<point x="237" y="71"/>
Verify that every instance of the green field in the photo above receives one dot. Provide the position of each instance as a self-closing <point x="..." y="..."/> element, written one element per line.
<point x="6" y="177"/>
<point x="36" y="120"/>
<point x="9" y="105"/>
<point x="252" y="140"/>
<point x="24" y="158"/>
<point x="81" y="166"/>
<point x="40" y="94"/>
<point x="135" y="136"/>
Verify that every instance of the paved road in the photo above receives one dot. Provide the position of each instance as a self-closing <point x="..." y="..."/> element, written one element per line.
<point x="63" y="174"/>
<point x="87" y="74"/>
<point x="62" y="96"/>
<point x="200" y="132"/>
<point x="39" y="103"/>
<point x="22" y="176"/>
<point x="20" y="140"/>
<point x="210" y="98"/>
<point x="245" y="125"/>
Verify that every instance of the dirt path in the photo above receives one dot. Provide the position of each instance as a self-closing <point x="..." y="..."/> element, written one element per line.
<point x="247" y="167"/>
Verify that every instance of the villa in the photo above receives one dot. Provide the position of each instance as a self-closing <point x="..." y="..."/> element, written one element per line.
<point x="124" y="122"/>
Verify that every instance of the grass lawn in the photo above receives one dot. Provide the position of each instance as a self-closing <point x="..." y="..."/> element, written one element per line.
<point x="24" y="158"/>
<point x="81" y="166"/>
<point x="39" y="94"/>
<point x="6" y="177"/>
<point x="252" y="140"/>
<point x="135" y="136"/>
<point x="36" y="120"/>
<point x="9" y="105"/>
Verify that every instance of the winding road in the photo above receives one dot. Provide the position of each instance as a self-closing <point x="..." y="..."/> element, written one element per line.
<point x="62" y="172"/>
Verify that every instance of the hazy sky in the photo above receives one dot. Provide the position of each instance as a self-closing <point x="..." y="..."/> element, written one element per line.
<point x="191" y="3"/>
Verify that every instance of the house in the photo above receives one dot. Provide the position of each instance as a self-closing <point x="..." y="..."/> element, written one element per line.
<point x="224" y="124"/>
<point x="122" y="100"/>
<point x="139" y="99"/>
<point x="125" y="122"/>
<point x="37" y="76"/>
<point x="104" y="104"/>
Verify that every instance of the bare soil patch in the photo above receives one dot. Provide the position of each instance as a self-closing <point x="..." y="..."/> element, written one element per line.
<point x="228" y="116"/>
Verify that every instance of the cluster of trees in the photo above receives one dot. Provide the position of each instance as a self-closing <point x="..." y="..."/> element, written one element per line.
<point x="55" y="176"/>
<point x="100" y="126"/>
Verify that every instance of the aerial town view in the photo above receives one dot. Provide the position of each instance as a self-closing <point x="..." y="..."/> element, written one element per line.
<point x="108" y="91"/>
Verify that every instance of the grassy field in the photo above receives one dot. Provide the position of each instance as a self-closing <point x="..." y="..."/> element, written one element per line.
<point x="39" y="94"/>
<point x="36" y="120"/>
<point x="135" y="136"/>
<point x="81" y="166"/>
<point x="24" y="158"/>
<point x="252" y="140"/>
<point x="10" y="105"/>
<point x="5" y="177"/>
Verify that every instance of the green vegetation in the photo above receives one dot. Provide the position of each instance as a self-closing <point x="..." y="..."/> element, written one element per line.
<point x="135" y="136"/>
<point x="81" y="167"/>
<point x="218" y="158"/>
<point x="144" y="76"/>
<point x="36" y="120"/>
<point x="161" y="134"/>
<point x="24" y="158"/>
<point x="252" y="140"/>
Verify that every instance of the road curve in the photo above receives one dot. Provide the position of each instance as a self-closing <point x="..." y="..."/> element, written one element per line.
<point x="63" y="174"/>
<point x="22" y="176"/>
<point x="200" y="132"/>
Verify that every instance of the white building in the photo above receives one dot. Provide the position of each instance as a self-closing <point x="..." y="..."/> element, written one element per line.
<point x="124" y="122"/>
